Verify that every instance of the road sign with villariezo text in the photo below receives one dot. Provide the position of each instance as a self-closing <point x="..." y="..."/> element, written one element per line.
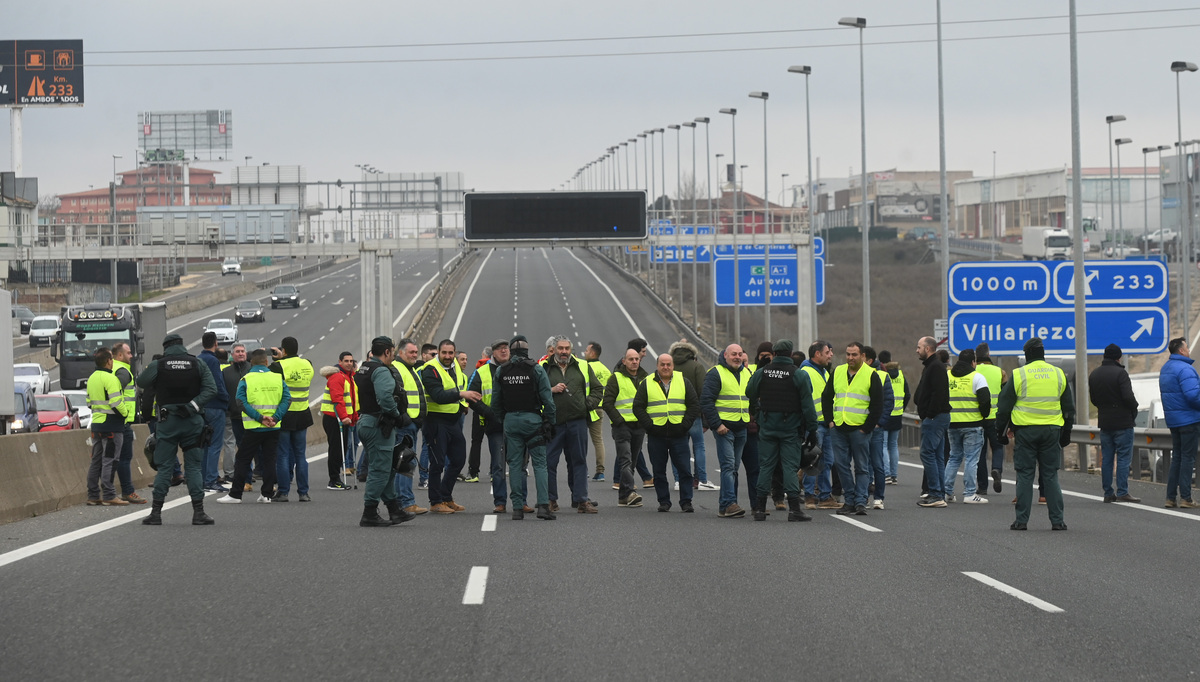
<point x="1005" y="304"/>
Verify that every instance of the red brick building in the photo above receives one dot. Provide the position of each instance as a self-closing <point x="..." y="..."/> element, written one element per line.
<point x="155" y="185"/>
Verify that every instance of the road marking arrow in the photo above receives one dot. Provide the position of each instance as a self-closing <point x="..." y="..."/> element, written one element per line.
<point x="1147" y="327"/>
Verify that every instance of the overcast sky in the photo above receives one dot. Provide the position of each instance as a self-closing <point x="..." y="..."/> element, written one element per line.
<point x="527" y="124"/>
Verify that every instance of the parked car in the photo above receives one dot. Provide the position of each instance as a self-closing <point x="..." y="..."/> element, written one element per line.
<point x="224" y="328"/>
<point x="25" y="315"/>
<point x="231" y="266"/>
<point x="250" y="311"/>
<point x="32" y="374"/>
<point x="78" y="401"/>
<point x="43" y="329"/>
<point x="25" y="417"/>
<point x="285" y="294"/>
<point x="56" y="414"/>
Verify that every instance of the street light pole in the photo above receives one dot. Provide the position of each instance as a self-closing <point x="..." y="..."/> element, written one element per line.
<point x="1112" y="188"/>
<point x="767" y="222"/>
<point x="708" y="193"/>
<point x="943" y="197"/>
<point x="1145" y="198"/>
<point x="714" y="255"/>
<point x="113" y="217"/>
<point x="737" y="257"/>
<point x="861" y="23"/>
<point x="695" y="233"/>
<point x="675" y="217"/>
<point x="809" y="193"/>
<point x="1121" y="203"/>
<point x="1178" y="68"/>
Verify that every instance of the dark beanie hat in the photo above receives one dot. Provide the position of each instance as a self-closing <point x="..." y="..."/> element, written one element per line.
<point x="290" y="345"/>
<point x="519" y="345"/>
<point x="764" y="347"/>
<point x="1112" y="352"/>
<point x="1034" y="350"/>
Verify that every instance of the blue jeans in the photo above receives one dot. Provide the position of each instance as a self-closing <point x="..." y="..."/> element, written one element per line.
<point x="878" y="461"/>
<point x="729" y="454"/>
<point x="933" y="444"/>
<point x="1184" y="441"/>
<point x="822" y="483"/>
<point x="964" y="450"/>
<point x="892" y="449"/>
<point x="570" y="438"/>
<point x="852" y="448"/>
<point x="124" y="471"/>
<point x="214" y="418"/>
<point x="662" y="448"/>
<point x="447" y="453"/>
<point x="404" y="490"/>
<point x="424" y="459"/>
<point x="1118" y="445"/>
<point x="496" y="467"/>
<point x="696" y="435"/>
<point x="291" y="460"/>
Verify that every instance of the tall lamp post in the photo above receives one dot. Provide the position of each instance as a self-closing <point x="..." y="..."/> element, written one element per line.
<point x="695" y="231"/>
<point x="861" y="23"/>
<point x="809" y="194"/>
<point x="1146" y="151"/>
<point x="675" y="216"/>
<point x="708" y="194"/>
<point x="1121" y="202"/>
<point x="1112" y="187"/>
<point x="767" y="221"/>
<point x="737" y="271"/>
<point x="1178" y="68"/>
<point x="112" y="214"/>
<point x="714" y="268"/>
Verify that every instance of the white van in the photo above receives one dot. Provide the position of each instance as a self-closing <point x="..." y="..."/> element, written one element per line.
<point x="42" y="330"/>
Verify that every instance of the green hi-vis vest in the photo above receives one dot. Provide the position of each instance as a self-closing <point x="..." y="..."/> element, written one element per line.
<point x="298" y="373"/>
<point x="818" y="382"/>
<point x="264" y="390"/>
<point x="626" y="390"/>
<point x="1039" y="386"/>
<point x="666" y="408"/>
<point x="993" y="374"/>
<point x="964" y="404"/>
<point x="486" y="370"/>
<point x="458" y="381"/>
<point x="130" y="390"/>
<point x="104" y="397"/>
<point x="732" y="404"/>
<point x="851" y="398"/>
<point x="898" y="393"/>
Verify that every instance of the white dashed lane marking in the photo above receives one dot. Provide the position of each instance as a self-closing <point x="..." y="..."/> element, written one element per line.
<point x="476" y="585"/>
<point x="1012" y="591"/>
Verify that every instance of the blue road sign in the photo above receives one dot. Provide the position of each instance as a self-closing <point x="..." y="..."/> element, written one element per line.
<point x="819" y="273"/>
<point x="1114" y="282"/>
<point x="991" y="284"/>
<point x="818" y="247"/>
<point x="752" y="275"/>
<point x="681" y="254"/>
<point x="1170" y="202"/>
<point x="1137" y="329"/>
<point x="726" y="250"/>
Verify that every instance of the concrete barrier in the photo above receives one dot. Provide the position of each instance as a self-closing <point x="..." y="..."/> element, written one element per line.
<point x="45" y="472"/>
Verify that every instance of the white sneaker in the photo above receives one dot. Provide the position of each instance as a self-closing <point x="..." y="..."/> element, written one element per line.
<point x="878" y="504"/>
<point x="677" y="485"/>
<point x="950" y="499"/>
<point x="708" y="485"/>
<point x="262" y="499"/>
<point x="975" y="499"/>
<point x="228" y="499"/>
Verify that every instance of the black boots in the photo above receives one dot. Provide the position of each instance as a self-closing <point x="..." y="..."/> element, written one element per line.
<point x="760" y="508"/>
<point x="199" y="518"/>
<point x="796" y="510"/>
<point x="371" y="516"/>
<point x="518" y="512"/>
<point x="155" y="518"/>
<point x="396" y="515"/>
<point x="543" y="512"/>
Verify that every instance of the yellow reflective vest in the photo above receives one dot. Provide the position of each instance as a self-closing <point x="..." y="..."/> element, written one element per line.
<point x="264" y="390"/>
<point x="994" y="375"/>
<point x="298" y="373"/>
<point x="457" y="382"/>
<point x="731" y="403"/>
<point x="1039" y="386"/>
<point x="129" y="392"/>
<point x="626" y="390"/>
<point x="818" y="381"/>
<point x="104" y="397"/>
<point x="666" y="408"/>
<point x="964" y="404"/>
<point x="851" y="397"/>
<point x="898" y="393"/>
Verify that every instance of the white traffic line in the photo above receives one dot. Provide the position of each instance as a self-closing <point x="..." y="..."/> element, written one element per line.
<point x="417" y="297"/>
<point x="489" y="523"/>
<point x="60" y="540"/>
<point x="1098" y="498"/>
<point x="637" y="330"/>
<point x="463" y="308"/>
<point x="476" y="585"/>
<point x="1012" y="591"/>
<point x="855" y="522"/>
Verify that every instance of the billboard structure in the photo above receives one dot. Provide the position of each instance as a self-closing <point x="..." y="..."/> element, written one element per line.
<point x="555" y="215"/>
<point x="165" y="136"/>
<point x="41" y="73"/>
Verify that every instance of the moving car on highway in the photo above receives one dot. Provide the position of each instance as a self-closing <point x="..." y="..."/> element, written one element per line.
<point x="25" y="315"/>
<point x="32" y="374"/>
<point x="250" y="311"/>
<point x="224" y="328"/>
<point x="231" y="266"/>
<point x="43" y="330"/>
<point x="55" y="413"/>
<point x="285" y="294"/>
<point x="25" y="417"/>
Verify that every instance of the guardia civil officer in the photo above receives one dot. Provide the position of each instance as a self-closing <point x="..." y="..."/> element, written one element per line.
<point x="1038" y="408"/>
<point x="181" y="384"/>
<point x="384" y="408"/>
<point x="523" y="403"/>
<point x="781" y="398"/>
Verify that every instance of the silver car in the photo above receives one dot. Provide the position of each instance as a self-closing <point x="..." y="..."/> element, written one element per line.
<point x="224" y="328"/>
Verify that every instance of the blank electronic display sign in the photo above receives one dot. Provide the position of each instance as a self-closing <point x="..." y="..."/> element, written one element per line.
<point x="555" y="215"/>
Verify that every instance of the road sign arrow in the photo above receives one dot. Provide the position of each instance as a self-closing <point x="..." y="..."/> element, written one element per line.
<point x="1147" y="327"/>
<point x="1087" y="283"/>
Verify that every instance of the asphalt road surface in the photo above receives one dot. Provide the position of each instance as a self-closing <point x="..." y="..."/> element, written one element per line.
<point x="299" y="591"/>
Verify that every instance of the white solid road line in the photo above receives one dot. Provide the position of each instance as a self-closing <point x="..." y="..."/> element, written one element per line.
<point x="636" y="329"/>
<point x="1010" y="590"/>
<point x="417" y="297"/>
<point x="855" y="522"/>
<point x="1097" y="498"/>
<point x="463" y="308"/>
<point x="476" y="585"/>
<point x="489" y="523"/>
<point x="60" y="540"/>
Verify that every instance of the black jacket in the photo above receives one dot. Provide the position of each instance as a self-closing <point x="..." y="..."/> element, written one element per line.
<point x="932" y="396"/>
<point x="1112" y="394"/>
<point x="668" y="430"/>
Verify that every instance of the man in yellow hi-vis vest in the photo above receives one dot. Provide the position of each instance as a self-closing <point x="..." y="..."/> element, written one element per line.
<point x="1037" y="406"/>
<point x="666" y="404"/>
<point x="447" y="396"/>
<point x="263" y="398"/>
<point x="851" y="405"/>
<point x="298" y="375"/>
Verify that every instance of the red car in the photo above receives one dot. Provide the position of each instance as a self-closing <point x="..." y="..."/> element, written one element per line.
<point x="55" y="414"/>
